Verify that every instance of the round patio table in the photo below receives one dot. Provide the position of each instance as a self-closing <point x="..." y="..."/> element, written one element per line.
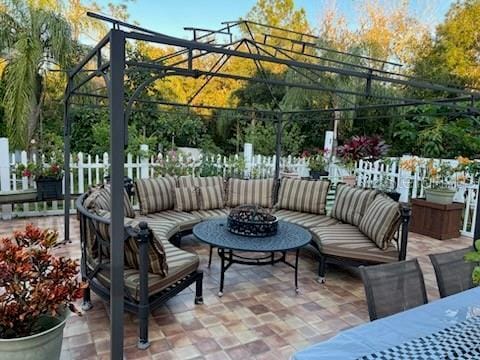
<point x="288" y="237"/>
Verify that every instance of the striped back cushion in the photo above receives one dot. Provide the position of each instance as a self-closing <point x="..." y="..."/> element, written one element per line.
<point x="381" y="221"/>
<point x="351" y="203"/>
<point x="242" y="192"/>
<point x="303" y="195"/>
<point x="157" y="263"/>
<point x="197" y="181"/>
<point x="211" y="197"/>
<point x="99" y="199"/>
<point x="186" y="199"/>
<point x="155" y="194"/>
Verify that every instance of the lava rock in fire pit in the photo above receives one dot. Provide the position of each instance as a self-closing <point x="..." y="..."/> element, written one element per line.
<point x="252" y="220"/>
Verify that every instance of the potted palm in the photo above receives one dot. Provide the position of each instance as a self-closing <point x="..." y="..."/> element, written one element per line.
<point x="37" y="290"/>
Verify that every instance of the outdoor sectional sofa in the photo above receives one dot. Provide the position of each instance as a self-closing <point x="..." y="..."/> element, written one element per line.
<point x="363" y="227"/>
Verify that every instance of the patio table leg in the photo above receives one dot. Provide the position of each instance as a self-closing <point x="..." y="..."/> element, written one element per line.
<point x="210" y="256"/>
<point x="221" y="252"/>
<point x="296" y="270"/>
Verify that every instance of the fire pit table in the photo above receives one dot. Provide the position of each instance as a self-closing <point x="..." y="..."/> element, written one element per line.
<point x="288" y="237"/>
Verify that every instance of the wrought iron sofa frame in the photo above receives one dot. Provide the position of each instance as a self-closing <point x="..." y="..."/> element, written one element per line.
<point x="401" y="239"/>
<point x="145" y="303"/>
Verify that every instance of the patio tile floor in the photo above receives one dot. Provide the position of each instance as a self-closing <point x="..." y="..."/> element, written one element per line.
<point x="259" y="316"/>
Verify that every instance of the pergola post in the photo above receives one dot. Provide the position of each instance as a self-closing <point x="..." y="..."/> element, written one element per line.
<point x="66" y="159"/>
<point x="278" y="146"/>
<point x="117" y="149"/>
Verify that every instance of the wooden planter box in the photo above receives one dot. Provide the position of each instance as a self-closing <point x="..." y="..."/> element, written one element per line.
<point x="436" y="220"/>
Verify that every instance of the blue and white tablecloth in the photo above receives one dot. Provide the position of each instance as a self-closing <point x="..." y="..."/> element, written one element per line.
<point x="448" y="319"/>
<point x="460" y="341"/>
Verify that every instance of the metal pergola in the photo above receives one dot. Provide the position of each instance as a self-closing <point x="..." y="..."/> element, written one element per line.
<point x="299" y="53"/>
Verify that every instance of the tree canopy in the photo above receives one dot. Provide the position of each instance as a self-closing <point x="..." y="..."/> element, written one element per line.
<point x="39" y="36"/>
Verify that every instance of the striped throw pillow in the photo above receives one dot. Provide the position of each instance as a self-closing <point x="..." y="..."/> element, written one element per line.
<point x="381" y="221"/>
<point x="155" y="194"/>
<point x="157" y="260"/>
<point x="197" y="181"/>
<point x="303" y="195"/>
<point x="211" y="197"/>
<point x="351" y="203"/>
<point x="257" y="192"/>
<point x="99" y="199"/>
<point x="186" y="199"/>
<point x="127" y="205"/>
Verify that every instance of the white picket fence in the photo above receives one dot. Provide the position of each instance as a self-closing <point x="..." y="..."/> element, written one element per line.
<point x="88" y="170"/>
<point x="410" y="185"/>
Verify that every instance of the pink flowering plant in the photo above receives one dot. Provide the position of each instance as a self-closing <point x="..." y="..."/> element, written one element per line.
<point x="36" y="170"/>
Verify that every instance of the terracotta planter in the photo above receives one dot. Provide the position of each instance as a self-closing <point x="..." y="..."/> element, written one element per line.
<point x="440" y="196"/>
<point x="41" y="346"/>
<point x="349" y="180"/>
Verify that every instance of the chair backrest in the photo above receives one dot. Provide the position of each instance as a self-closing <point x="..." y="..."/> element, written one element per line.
<point x="392" y="288"/>
<point x="453" y="273"/>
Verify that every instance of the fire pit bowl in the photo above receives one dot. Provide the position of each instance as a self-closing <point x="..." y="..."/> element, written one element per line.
<point x="252" y="220"/>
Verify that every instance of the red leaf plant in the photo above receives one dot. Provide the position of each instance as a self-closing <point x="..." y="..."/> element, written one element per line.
<point x="34" y="282"/>
<point x="362" y="147"/>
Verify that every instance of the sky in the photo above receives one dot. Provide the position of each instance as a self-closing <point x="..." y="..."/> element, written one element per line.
<point x="169" y="17"/>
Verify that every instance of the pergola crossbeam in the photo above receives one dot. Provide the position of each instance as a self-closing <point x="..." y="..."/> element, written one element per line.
<point x="116" y="70"/>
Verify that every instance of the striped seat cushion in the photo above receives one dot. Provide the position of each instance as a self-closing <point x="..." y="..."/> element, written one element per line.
<point x="100" y="197"/>
<point x="351" y="203"/>
<point x="381" y="220"/>
<point x="186" y="199"/>
<point x="155" y="194"/>
<point x="346" y="241"/>
<point x="157" y="263"/>
<point x="198" y="181"/>
<point x="303" y="195"/>
<point x="211" y="197"/>
<point x="161" y="227"/>
<point x="305" y="219"/>
<point x="180" y="264"/>
<point x="183" y="220"/>
<point x="243" y="192"/>
<point x="211" y="214"/>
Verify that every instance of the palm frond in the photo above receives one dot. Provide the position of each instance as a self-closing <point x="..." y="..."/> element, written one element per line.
<point x="20" y="85"/>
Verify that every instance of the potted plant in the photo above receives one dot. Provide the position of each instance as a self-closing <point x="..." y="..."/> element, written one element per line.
<point x="316" y="163"/>
<point x="474" y="257"/>
<point x="439" y="187"/>
<point x="37" y="289"/>
<point x="370" y="148"/>
<point x="387" y="186"/>
<point x="48" y="178"/>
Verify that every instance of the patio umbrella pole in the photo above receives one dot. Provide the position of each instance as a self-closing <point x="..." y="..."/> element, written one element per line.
<point x="117" y="150"/>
